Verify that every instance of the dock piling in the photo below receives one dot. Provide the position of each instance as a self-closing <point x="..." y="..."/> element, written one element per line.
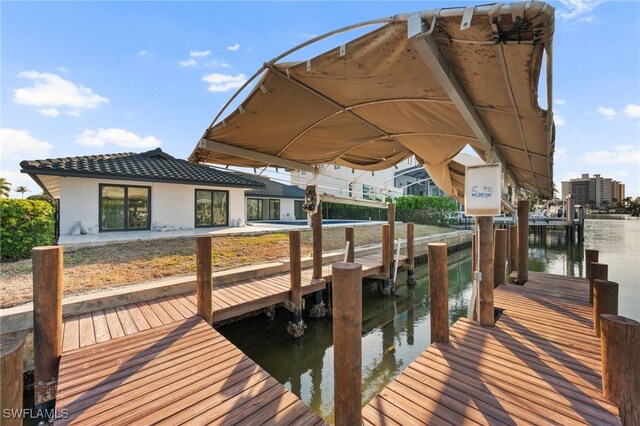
<point x="438" y="292"/>
<point x="296" y="326"/>
<point x="513" y="248"/>
<point x="621" y="365"/>
<point x="349" y="237"/>
<point x="11" y="366"/>
<point x="486" y="268"/>
<point x="605" y="301"/>
<point x="500" y="256"/>
<point x="318" y="310"/>
<point x="523" y="241"/>
<point x="411" y="261"/>
<point x="590" y="256"/>
<point x="347" y="343"/>
<point x="599" y="271"/>
<point x="387" y="255"/>
<point x="47" y="322"/>
<point x="204" y="279"/>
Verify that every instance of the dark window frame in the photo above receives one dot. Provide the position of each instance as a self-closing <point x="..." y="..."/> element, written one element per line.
<point x="279" y="208"/>
<point x="195" y="208"/>
<point x="260" y="210"/>
<point x="126" y="208"/>
<point x="297" y="208"/>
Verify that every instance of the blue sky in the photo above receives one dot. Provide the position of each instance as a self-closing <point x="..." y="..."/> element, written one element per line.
<point x="104" y="77"/>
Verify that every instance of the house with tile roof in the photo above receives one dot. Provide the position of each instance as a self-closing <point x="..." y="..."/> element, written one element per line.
<point x="150" y="191"/>
<point x="275" y="201"/>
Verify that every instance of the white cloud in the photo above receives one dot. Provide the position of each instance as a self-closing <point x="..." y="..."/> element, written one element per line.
<point x="234" y="47"/>
<point x="579" y="10"/>
<point x="188" y="62"/>
<point x="224" y="82"/>
<point x="218" y="64"/>
<point x="557" y="118"/>
<point x="199" y="53"/>
<point x="63" y="70"/>
<point x="617" y="154"/>
<point x="607" y="112"/>
<point x="143" y="53"/>
<point x="49" y="112"/>
<point x="18" y="145"/>
<point x="559" y="101"/>
<point x="50" y="90"/>
<point x="119" y="137"/>
<point x="560" y="155"/>
<point x="632" y="111"/>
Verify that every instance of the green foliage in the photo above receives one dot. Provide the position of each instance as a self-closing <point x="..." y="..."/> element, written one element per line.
<point x="349" y="211"/>
<point x="25" y="224"/>
<point x="425" y="210"/>
<point x="5" y="187"/>
<point x="44" y="197"/>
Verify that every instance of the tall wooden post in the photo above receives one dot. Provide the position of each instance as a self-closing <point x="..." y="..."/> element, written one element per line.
<point x="486" y="268"/>
<point x="204" y="279"/>
<point x="523" y="241"/>
<point x="316" y="231"/>
<point x="296" y="325"/>
<point x="513" y="248"/>
<point x="621" y="365"/>
<point x="347" y="343"/>
<point x="47" y="322"/>
<point x="349" y="237"/>
<point x="590" y="256"/>
<point x="11" y="366"/>
<point x="438" y="291"/>
<point x="411" y="257"/>
<point x="392" y="236"/>
<point x="386" y="260"/>
<point x="500" y="256"/>
<point x="599" y="271"/>
<point x="605" y="301"/>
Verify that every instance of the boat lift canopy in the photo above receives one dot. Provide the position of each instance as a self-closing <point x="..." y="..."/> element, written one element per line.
<point x="425" y="84"/>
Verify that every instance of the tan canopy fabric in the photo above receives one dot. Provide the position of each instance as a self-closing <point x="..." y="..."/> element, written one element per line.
<point x="378" y="100"/>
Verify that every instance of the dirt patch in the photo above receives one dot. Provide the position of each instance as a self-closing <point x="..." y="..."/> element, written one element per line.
<point x="100" y="268"/>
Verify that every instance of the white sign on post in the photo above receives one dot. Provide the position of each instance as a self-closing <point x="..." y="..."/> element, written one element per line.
<point x="483" y="190"/>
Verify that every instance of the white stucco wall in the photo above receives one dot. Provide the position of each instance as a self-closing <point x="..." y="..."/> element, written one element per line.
<point x="287" y="206"/>
<point x="171" y="204"/>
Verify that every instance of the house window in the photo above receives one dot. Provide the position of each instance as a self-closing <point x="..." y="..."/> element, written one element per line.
<point x="336" y="167"/>
<point x="274" y="209"/>
<point x="124" y="208"/>
<point x="254" y="209"/>
<point x="366" y="190"/>
<point x="350" y="190"/>
<point x="211" y="208"/>
<point x="298" y="211"/>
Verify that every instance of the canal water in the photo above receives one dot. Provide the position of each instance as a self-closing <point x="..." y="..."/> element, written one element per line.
<point x="396" y="330"/>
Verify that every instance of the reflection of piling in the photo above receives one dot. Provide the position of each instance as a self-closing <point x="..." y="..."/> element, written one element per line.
<point x="296" y="325"/>
<point x="438" y="292"/>
<point x="411" y="261"/>
<point x="47" y="323"/>
<point x="347" y="342"/>
<point x="621" y="365"/>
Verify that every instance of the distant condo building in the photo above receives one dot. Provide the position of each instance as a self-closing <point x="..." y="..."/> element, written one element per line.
<point x="594" y="192"/>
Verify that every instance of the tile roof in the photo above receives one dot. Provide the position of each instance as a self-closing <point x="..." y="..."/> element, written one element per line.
<point x="154" y="166"/>
<point x="275" y="189"/>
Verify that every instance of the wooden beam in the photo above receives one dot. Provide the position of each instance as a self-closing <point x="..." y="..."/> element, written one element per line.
<point x="499" y="256"/>
<point x="605" y="301"/>
<point x="391" y="219"/>
<point x="590" y="256"/>
<point x="599" y="271"/>
<point x="316" y="232"/>
<point x="485" y="239"/>
<point x="411" y="261"/>
<point x="513" y="248"/>
<point x="523" y="241"/>
<point x="204" y="279"/>
<point x="349" y="237"/>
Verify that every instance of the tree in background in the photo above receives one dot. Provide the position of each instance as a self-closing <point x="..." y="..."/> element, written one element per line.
<point x="5" y="188"/>
<point x="21" y="190"/>
<point x="425" y="209"/>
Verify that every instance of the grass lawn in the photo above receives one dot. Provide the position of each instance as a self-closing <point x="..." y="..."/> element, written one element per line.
<point x="99" y="268"/>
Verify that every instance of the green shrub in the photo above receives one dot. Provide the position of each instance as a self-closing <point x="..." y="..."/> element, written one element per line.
<point x="25" y="224"/>
<point x="425" y="209"/>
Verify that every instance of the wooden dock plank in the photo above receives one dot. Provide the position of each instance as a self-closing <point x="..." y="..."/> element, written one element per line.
<point x="71" y="333"/>
<point x="87" y="334"/>
<point x="182" y="371"/>
<point x="539" y="364"/>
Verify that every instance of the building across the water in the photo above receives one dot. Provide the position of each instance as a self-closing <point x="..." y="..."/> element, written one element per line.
<point x="594" y="192"/>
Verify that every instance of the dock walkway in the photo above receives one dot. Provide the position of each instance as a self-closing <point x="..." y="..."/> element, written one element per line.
<point x="229" y="301"/>
<point x="540" y="364"/>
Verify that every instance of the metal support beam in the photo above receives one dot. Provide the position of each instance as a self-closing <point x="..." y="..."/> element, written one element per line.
<point x="424" y="43"/>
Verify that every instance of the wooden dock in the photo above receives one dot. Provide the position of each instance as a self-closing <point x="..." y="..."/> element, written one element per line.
<point x="540" y="364"/>
<point x="183" y="372"/>
<point x="229" y="301"/>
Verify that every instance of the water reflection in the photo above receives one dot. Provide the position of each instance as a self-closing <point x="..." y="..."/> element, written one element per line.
<point x="394" y="332"/>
